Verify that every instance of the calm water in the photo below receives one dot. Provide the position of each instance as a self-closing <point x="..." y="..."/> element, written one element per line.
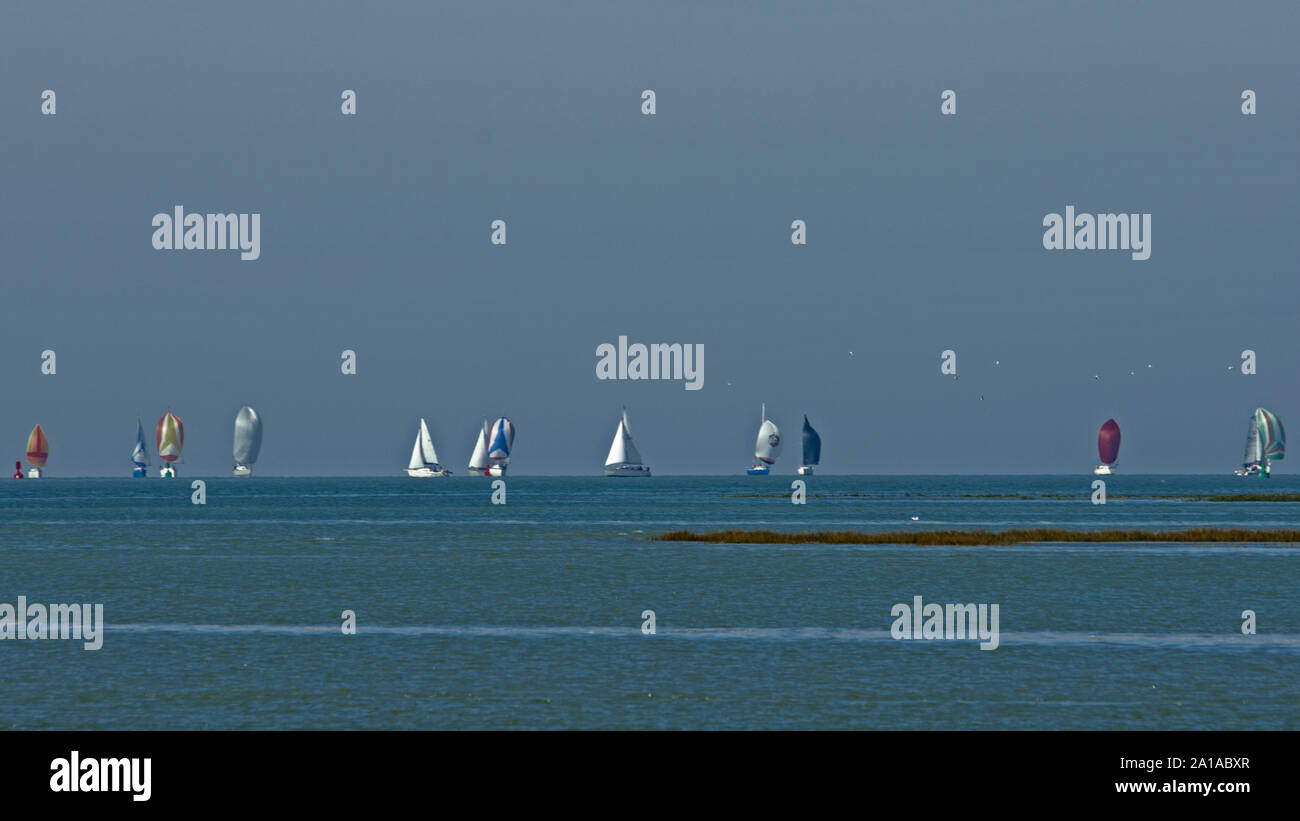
<point x="528" y="615"/>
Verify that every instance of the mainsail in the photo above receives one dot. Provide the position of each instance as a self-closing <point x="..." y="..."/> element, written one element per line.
<point x="623" y="450"/>
<point x="501" y="440"/>
<point x="1108" y="442"/>
<point x="170" y="436"/>
<point x="812" y="444"/>
<point x="768" y="445"/>
<point x="248" y="436"/>
<point x="1253" y="455"/>
<point x="426" y="446"/>
<point x="140" y="455"/>
<point x="38" y="447"/>
<point x="479" y="461"/>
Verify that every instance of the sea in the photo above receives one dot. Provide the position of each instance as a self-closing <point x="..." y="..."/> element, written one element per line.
<point x="557" y="608"/>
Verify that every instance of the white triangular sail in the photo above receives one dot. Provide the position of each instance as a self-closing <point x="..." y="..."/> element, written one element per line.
<point x="417" y="457"/>
<point x="427" y="453"/>
<point x="623" y="450"/>
<point x="767" y="447"/>
<point x="479" y="461"/>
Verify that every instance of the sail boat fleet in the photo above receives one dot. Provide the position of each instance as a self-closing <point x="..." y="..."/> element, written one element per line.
<point x="1265" y="443"/>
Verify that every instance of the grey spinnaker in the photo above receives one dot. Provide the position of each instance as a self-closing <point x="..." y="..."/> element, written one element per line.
<point x="248" y="436"/>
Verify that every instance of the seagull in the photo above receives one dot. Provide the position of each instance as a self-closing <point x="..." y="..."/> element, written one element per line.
<point x="850" y="354"/>
<point x="997" y="362"/>
<point x="981" y="397"/>
<point x="1148" y="364"/>
<point x="1097" y="377"/>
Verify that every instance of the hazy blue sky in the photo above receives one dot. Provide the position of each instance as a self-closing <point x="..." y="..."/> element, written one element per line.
<point x="924" y="231"/>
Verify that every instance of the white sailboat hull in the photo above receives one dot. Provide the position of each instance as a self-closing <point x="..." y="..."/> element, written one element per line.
<point x="496" y="470"/>
<point x="33" y="473"/>
<point x="627" y="470"/>
<point x="242" y="471"/>
<point x="167" y="471"/>
<point x="805" y="470"/>
<point x="426" y="473"/>
<point x="1103" y="470"/>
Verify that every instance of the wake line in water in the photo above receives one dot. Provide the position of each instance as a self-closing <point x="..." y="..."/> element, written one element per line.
<point x="726" y="633"/>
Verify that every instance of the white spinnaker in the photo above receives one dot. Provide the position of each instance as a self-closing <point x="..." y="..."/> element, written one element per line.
<point x="248" y="436"/>
<point x="768" y="445"/>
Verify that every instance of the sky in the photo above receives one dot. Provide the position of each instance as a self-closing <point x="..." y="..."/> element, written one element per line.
<point x="924" y="231"/>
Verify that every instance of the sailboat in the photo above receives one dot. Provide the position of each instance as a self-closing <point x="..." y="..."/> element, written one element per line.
<point x="139" y="456"/>
<point x="478" y="462"/>
<point x="766" y="448"/>
<point x="38" y="450"/>
<point x="624" y="459"/>
<point x="170" y="436"/>
<point x="248" y="440"/>
<point x="1265" y="442"/>
<point x="500" y="441"/>
<point x="812" y="449"/>
<point x="424" y="459"/>
<point x="1107" y="448"/>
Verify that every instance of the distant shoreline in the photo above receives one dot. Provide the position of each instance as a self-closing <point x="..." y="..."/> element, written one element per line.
<point x="984" y="537"/>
